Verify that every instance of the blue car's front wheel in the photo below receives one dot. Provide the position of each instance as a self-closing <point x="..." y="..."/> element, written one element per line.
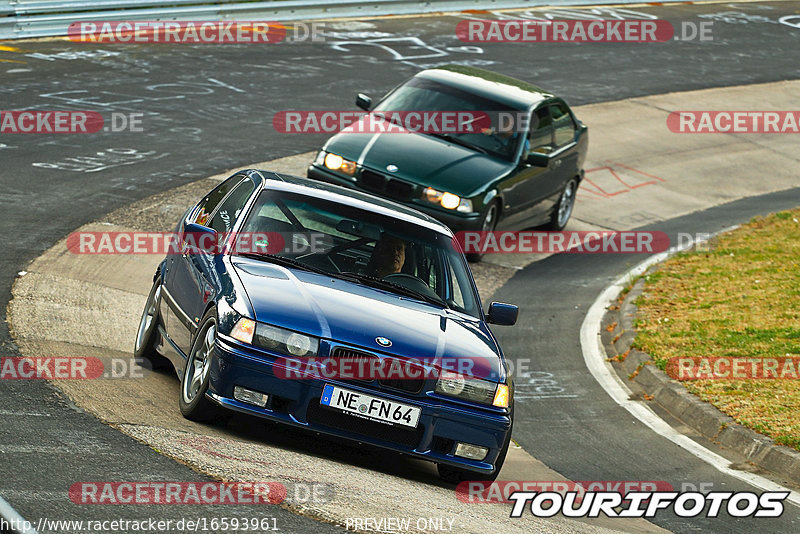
<point x="147" y="334"/>
<point x="194" y="383"/>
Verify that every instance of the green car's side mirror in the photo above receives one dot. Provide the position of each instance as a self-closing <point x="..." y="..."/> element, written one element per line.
<point x="537" y="159"/>
<point x="363" y="101"/>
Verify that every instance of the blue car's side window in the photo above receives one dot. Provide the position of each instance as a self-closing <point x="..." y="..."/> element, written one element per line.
<point x="212" y="200"/>
<point x="231" y="208"/>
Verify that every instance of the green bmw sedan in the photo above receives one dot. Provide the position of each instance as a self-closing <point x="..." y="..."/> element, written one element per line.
<point x="521" y="169"/>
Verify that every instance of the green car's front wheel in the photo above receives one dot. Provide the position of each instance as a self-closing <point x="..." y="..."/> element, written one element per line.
<point x="563" y="210"/>
<point x="488" y="224"/>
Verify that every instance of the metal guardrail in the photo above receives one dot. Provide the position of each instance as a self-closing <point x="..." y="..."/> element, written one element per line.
<point x="28" y="7"/>
<point x="44" y="18"/>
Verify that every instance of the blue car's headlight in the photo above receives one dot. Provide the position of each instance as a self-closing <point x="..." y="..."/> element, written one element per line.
<point x="472" y="389"/>
<point x="275" y="339"/>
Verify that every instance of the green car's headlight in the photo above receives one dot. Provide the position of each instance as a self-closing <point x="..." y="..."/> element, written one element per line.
<point x="274" y="338"/>
<point x="336" y="163"/>
<point x="472" y="389"/>
<point x="447" y="200"/>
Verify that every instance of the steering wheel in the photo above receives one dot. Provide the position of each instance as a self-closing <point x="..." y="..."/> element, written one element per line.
<point x="411" y="282"/>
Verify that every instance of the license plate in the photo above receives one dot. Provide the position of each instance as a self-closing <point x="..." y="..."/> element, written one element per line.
<point x="369" y="407"/>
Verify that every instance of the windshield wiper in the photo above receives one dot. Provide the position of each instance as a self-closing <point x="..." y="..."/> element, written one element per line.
<point x="391" y="286"/>
<point x="284" y="261"/>
<point x="456" y="140"/>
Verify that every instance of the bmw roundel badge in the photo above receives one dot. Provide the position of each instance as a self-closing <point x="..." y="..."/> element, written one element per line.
<point x="383" y="342"/>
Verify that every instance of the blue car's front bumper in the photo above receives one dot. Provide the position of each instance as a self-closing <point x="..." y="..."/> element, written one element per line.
<point x="297" y="402"/>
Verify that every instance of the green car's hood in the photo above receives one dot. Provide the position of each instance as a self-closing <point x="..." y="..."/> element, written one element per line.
<point x="422" y="159"/>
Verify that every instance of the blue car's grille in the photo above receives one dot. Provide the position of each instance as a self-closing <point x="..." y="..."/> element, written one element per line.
<point x="320" y="415"/>
<point x="350" y="354"/>
<point x="412" y="385"/>
<point x="409" y="385"/>
<point x="389" y="187"/>
<point x="355" y="356"/>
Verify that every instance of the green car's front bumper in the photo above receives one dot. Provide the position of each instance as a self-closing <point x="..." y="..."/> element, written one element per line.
<point x="456" y="221"/>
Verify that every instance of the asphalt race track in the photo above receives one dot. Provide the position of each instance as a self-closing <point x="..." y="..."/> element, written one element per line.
<point x="208" y="108"/>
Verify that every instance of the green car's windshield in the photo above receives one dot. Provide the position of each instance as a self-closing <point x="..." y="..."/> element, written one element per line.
<point x="359" y="245"/>
<point x="419" y="94"/>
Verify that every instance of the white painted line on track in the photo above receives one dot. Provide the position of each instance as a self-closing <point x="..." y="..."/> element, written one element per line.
<point x="595" y="358"/>
<point x="12" y="518"/>
<point x="23" y="414"/>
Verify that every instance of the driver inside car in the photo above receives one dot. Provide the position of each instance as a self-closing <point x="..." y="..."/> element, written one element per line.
<point x="505" y="137"/>
<point x="388" y="257"/>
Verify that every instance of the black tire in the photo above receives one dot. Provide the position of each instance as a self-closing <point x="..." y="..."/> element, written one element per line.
<point x="194" y="383"/>
<point x="562" y="211"/>
<point x="487" y="224"/>
<point x="455" y="475"/>
<point x="144" y="348"/>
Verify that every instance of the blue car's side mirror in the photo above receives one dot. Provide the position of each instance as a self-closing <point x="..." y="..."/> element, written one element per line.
<point x="198" y="238"/>
<point x="502" y="314"/>
<point x="363" y="101"/>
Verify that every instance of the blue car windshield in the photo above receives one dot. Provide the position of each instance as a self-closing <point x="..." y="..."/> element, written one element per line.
<point x="419" y="94"/>
<point x="360" y="245"/>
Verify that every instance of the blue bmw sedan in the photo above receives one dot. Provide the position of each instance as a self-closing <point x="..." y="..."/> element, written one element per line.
<point x="337" y="312"/>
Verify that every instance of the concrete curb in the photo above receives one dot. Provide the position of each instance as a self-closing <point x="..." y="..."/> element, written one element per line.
<point x="673" y="397"/>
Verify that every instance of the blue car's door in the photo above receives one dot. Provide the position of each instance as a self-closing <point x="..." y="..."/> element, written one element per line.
<point x="186" y="286"/>
<point x="208" y="267"/>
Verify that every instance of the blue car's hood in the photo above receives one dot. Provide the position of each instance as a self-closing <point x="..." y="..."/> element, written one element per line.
<point x="356" y="315"/>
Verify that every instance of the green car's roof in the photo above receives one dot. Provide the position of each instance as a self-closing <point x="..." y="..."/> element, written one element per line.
<point x="498" y="87"/>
